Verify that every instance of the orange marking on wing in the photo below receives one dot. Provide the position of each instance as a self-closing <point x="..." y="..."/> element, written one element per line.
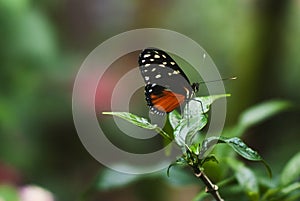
<point x="168" y="101"/>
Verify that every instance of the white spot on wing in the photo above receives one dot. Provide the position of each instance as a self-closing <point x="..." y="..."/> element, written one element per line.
<point x="143" y="61"/>
<point x="156" y="56"/>
<point x="158" y="76"/>
<point x="164" y="63"/>
<point x="146" y="55"/>
<point x="172" y="63"/>
<point x="153" y="69"/>
<point x="164" y="56"/>
<point x="151" y="59"/>
<point x="147" y="78"/>
<point x="146" y="65"/>
<point x="176" y="72"/>
<point x="161" y="65"/>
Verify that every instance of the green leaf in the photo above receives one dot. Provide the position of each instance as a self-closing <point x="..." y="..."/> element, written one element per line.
<point x="187" y="129"/>
<point x="210" y="158"/>
<point x="288" y="193"/>
<point x="174" y="118"/>
<point x="289" y="189"/>
<point x="195" y="125"/>
<point x="179" y="162"/>
<point x="195" y="148"/>
<point x="207" y="144"/>
<point x="270" y="194"/>
<point x="180" y="133"/>
<point x="241" y="148"/>
<point x="246" y="178"/>
<point x="140" y="122"/>
<point x="261" y="112"/>
<point x="291" y="171"/>
<point x="134" y="119"/>
<point x="201" y="105"/>
<point x="110" y="179"/>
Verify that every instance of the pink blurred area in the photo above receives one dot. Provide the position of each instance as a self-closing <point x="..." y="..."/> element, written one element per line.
<point x="9" y="175"/>
<point x="110" y="78"/>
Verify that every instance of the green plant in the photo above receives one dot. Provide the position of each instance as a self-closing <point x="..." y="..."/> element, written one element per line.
<point x="188" y="135"/>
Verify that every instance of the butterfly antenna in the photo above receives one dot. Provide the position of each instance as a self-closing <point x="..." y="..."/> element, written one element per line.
<point x="223" y="79"/>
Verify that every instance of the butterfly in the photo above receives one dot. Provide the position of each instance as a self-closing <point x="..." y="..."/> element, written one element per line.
<point x="167" y="87"/>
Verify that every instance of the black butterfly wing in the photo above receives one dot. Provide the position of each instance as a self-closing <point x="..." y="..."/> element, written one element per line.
<point x="167" y="86"/>
<point x="162" y="59"/>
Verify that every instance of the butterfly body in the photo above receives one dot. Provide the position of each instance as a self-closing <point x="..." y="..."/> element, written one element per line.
<point x="167" y="86"/>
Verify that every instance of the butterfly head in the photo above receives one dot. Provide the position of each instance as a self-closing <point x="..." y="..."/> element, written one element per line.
<point x="195" y="87"/>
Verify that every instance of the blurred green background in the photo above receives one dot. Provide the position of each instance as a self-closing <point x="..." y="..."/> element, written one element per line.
<point x="43" y="43"/>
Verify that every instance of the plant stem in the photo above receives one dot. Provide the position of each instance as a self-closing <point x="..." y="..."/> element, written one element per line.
<point x="210" y="187"/>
